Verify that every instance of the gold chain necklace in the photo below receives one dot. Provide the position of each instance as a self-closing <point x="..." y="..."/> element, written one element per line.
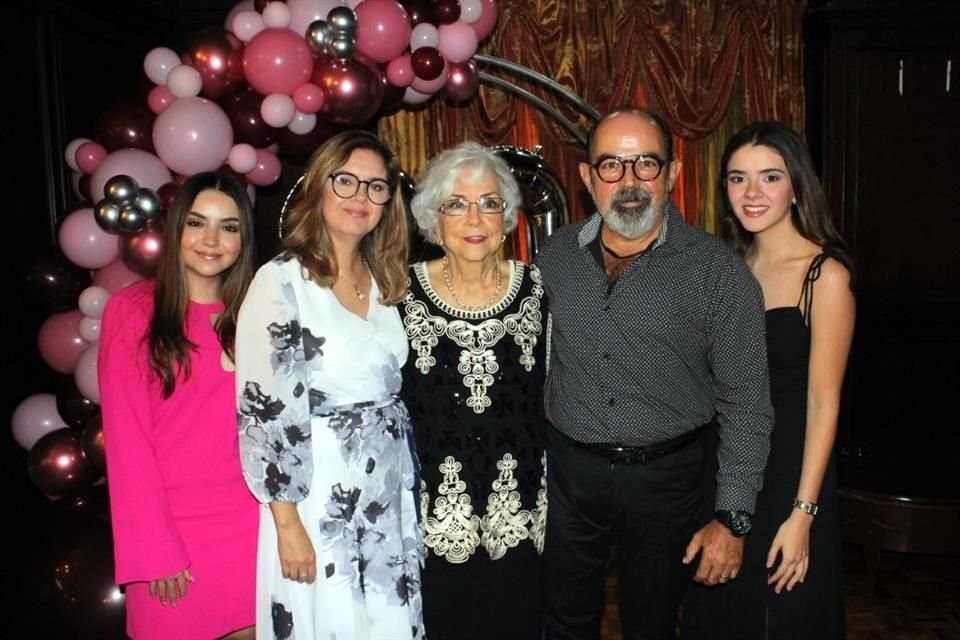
<point x="448" y="281"/>
<point x="356" y="287"/>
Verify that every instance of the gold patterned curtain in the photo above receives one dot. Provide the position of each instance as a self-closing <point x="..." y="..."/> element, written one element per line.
<point x="709" y="67"/>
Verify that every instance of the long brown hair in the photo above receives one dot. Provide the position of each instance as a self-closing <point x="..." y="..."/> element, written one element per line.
<point x="810" y="215"/>
<point x="306" y="237"/>
<point x="168" y="344"/>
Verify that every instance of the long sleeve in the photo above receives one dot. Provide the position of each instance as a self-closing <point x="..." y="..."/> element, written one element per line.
<point x="738" y="359"/>
<point x="147" y="545"/>
<point x="273" y="389"/>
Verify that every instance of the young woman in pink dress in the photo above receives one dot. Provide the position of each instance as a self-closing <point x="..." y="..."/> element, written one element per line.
<point x="184" y="523"/>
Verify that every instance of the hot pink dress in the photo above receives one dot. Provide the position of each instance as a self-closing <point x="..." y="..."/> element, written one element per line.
<point x="177" y="495"/>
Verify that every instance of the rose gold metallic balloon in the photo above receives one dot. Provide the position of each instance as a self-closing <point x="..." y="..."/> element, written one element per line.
<point x="352" y="90"/>
<point x="141" y="251"/>
<point x="218" y="55"/>
<point x="91" y="439"/>
<point x="57" y="466"/>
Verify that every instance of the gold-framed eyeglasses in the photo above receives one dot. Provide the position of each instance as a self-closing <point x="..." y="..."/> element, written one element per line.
<point x="646" y="167"/>
<point x="487" y="205"/>
<point x="346" y="185"/>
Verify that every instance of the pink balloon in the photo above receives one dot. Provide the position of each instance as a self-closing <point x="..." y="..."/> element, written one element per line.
<point x="92" y="301"/>
<point x="158" y="63"/>
<point x="458" y="41"/>
<point x="160" y="98"/>
<point x="308" y="98"/>
<point x="243" y="5"/>
<point x="89" y="329"/>
<point x="89" y="156"/>
<point x="276" y="15"/>
<point x="277" y="110"/>
<point x="85" y="376"/>
<point x="115" y="276"/>
<point x="193" y="135"/>
<point x="242" y="158"/>
<point x="70" y="153"/>
<point x="267" y="170"/>
<point x="413" y="97"/>
<point x="432" y="86"/>
<point x="483" y="27"/>
<point x="59" y="341"/>
<point x="142" y="166"/>
<point x="303" y="12"/>
<point x="247" y="24"/>
<point x="84" y="243"/>
<point x="400" y="71"/>
<point x="184" y="81"/>
<point x="35" y="417"/>
<point x="383" y="29"/>
<point x="277" y="61"/>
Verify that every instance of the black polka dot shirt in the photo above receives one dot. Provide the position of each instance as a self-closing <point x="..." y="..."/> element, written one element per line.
<point x="678" y="340"/>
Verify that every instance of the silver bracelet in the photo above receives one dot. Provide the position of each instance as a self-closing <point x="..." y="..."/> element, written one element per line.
<point x="810" y="508"/>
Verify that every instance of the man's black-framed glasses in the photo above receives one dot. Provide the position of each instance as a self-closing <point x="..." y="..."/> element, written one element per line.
<point x="487" y="205"/>
<point x="646" y="167"/>
<point x="346" y="185"/>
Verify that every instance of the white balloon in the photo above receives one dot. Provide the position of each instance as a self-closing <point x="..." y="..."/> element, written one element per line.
<point x="276" y="15"/>
<point x="277" y="110"/>
<point x="35" y="417"/>
<point x="424" y="35"/>
<point x="92" y="301"/>
<point x="247" y="24"/>
<point x="184" y="81"/>
<point x="158" y="63"/>
<point x="243" y="5"/>
<point x="470" y="10"/>
<point x="89" y="329"/>
<point x="85" y="375"/>
<point x="302" y="123"/>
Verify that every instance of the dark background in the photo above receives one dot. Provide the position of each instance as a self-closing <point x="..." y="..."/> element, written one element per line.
<point x="888" y="161"/>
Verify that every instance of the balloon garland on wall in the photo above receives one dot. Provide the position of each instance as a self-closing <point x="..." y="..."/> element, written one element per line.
<point x="276" y="79"/>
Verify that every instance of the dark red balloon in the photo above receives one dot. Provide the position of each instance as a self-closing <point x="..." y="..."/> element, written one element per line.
<point x="427" y="63"/>
<point x="74" y="408"/>
<point x="418" y="11"/>
<point x="91" y="439"/>
<point x="54" y="283"/>
<point x="140" y="252"/>
<point x="218" y="55"/>
<point x="166" y="193"/>
<point x="462" y="81"/>
<point x="126" y="125"/>
<point x="446" y="11"/>
<point x="57" y="466"/>
<point x="299" y="147"/>
<point x="352" y="90"/>
<point x="243" y="109"/>
<point x="392" y="99"/>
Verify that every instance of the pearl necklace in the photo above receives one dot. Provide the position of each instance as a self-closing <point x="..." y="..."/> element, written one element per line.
<point x="448" y="281"/>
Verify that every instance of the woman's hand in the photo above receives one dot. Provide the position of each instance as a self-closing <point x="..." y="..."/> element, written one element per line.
<point x="297" y="558"/>
<point x="171" y="588"/>
<point x="792" y="544"/>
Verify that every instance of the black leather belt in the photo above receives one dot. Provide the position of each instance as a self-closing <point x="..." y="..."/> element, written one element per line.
<point x="627" y="454"/>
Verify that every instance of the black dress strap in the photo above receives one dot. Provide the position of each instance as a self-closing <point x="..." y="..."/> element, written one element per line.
<point x="806" y="292"/>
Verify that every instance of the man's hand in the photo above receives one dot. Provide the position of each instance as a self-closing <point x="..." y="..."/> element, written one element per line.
<point x="720" y="554"/>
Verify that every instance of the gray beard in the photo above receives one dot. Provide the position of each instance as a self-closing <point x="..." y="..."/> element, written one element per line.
<point x="632" y="222"/>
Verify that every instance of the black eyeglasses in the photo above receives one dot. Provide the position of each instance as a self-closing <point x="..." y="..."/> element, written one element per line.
<point x="646" y="167"/>
<point x="488" y="205"/>
<point x="346" y="185"/>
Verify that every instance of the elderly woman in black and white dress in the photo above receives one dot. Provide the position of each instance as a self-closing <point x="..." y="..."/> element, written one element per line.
<point x="473" y="384"/>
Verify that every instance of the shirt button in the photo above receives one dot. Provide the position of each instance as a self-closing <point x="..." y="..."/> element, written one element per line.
<point x="613" y="401"/>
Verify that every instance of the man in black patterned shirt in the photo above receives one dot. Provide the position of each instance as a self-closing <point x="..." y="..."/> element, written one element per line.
<point x="657" y="332"/>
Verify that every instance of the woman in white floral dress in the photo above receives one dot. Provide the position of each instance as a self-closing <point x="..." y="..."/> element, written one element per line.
<point x="325" y="443"/>
<point x="473" y="384"/>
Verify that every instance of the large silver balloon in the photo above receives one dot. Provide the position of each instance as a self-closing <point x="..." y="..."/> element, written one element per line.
<point x="343" y="19"/>
<point x="107" y="215"/>
<point x="343" y="46"/>
<point x="544" y="200"/>
<point x="318" y="36"/>
<point x="120" y="189"/>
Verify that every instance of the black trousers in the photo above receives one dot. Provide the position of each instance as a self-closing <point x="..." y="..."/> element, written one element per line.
<point x="644" y="513"/>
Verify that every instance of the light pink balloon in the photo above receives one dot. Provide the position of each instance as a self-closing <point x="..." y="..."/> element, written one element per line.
<point x="424" y="35"/>
<point x="247" y="24"/>
<point x="483" y="27"/>
<point x="70" y="153"/>
<point x="400" y="71"/>
<point x="277" y="110"/>
<point x="308" y="98"/>
<point x="430" y="87"/>
<point x="276" y="15"/>
<point x="142" y="166"/>
<point x="192" y="135"/>
<point x="160" y="98"/>
<point x="158" y="63"/>
<point x="267" y="170"/>
<point x="85" y="377"/>
<point x="353" y="4"/>
<point x="413" y="97"/>
<point x="89" y="156"/>
<point x="383" y="29"/>
<point x="89" y="329"/>
<point x="59" y="341"/>
<point x="458" y="41"/>
<point x="303" y="12"/>
<point x="35" y="417"/>
<point x="277" y="61"/>
<point x="115" y="276"/>
<point x="242" y="158"/>
<point x="243" y="5"/>
<point x="92" y="301"/>
<point x="302" y="123"/>
<point x="184" y="81"/>
<point x="84" y="243"/>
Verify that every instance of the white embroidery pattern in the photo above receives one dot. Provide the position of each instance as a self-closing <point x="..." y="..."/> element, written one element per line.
<point x="505" y="524"/>
<point x="452" y="534"/>
<point x="423" y="330"/>
<point x="539" y="526"/>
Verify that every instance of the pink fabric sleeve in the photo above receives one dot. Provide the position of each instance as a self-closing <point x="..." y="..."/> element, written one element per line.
<point x="147" y="545"/>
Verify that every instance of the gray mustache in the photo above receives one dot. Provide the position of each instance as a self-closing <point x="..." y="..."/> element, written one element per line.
<point x="628" y="194"/>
